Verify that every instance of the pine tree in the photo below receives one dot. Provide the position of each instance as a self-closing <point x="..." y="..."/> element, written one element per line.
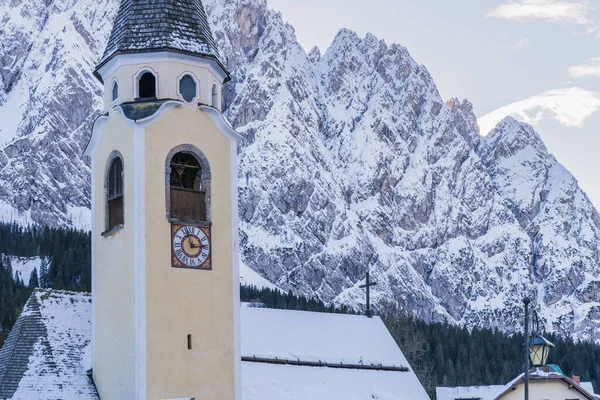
<point x="44" y="280"/>
<point x="33" y="279"/>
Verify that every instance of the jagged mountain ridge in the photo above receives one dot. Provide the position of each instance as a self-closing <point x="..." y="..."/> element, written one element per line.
<point x="352" y="161"/>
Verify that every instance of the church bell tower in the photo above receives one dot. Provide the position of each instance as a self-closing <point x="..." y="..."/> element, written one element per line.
<point x="164" y="211"/>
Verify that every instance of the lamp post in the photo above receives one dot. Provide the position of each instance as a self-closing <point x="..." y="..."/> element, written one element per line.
<point x="537" y="347"/>
<point x="526" y="302"/>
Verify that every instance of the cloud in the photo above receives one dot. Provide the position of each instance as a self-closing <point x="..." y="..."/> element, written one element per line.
<point x="569" y="12"/>
<point x="589" y="68"/>
<point x="521" y="44"/>
<point x="570" y="107"/>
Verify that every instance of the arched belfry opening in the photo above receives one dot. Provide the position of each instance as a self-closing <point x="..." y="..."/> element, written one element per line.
<point x="188" y="185"/>
<point x="147" y="86"/>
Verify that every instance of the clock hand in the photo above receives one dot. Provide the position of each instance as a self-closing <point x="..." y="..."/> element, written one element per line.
<point x="192" y="245"/>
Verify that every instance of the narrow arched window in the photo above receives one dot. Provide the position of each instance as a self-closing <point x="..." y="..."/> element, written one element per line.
<point x="115" y="204"/>
<point x="115" y="91"/>
<point x="188" y="185"/>
<point x="188" y="88"/>
<point x="215" y="96"/>
<point x="147" y="86"/>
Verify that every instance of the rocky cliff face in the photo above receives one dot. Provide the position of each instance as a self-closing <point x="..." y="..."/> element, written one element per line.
<point x="352" y="161"/>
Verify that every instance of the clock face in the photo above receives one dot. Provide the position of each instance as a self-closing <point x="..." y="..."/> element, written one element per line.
<point x="190" y="246"/>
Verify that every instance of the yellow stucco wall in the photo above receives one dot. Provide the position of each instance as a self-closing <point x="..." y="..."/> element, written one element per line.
<point x="545" y="390"/>
<point x="184" y="301"/>
<point x="113" y="272"/>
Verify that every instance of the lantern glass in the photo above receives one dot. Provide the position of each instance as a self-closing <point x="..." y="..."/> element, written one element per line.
<point x="539" y="351"/>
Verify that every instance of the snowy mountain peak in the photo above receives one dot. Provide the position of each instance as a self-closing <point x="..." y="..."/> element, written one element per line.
<point x="515" y="136"/>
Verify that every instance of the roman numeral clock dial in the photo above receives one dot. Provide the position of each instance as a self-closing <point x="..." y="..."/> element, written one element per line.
<point x="190" y="247"/>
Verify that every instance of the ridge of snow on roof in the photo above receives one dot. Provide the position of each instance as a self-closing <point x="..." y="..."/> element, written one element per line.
<point x="159" y="25"/>
<point x="49" y="350"/>
<point x="287" y="382"/>
<point x="468" y="392"/>
<point x="311" y="336"/>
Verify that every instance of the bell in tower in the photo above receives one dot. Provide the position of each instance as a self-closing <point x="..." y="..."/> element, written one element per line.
<point x="164" y="211"/>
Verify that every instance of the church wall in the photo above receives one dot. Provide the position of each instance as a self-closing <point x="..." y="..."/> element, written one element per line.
<point x="168" y="84"/>
<point x="180" y="302"/>
<point x="113" y="272"/>
<point x="547" y="390"/>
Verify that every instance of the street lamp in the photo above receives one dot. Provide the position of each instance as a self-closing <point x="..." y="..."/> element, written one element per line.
<point x="539" y="350"/>
<point x="537" y="347"/>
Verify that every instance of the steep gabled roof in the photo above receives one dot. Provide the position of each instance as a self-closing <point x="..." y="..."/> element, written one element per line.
<point x="146" y="26"/>
<point x="48" y="351"/>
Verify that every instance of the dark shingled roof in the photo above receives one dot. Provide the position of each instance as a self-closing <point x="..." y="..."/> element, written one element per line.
<point x="14" y="356"/>
<point x="48" y="351"/>
<point x="143" y="26"/>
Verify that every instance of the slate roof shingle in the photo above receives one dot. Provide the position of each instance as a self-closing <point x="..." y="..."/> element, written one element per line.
<point x="143" y="26"/>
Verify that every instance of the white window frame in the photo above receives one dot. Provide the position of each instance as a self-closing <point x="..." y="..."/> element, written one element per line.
<point x="179" y="78"/>
<point x="114" y="82"/>
<point x="136" y="81"/>
<point x="212" y="103"/>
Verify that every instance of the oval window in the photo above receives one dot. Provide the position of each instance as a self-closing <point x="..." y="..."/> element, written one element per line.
<point x="187" y="88"/>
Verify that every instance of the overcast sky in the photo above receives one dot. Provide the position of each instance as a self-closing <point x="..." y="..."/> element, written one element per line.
<point x="538" y="60"/>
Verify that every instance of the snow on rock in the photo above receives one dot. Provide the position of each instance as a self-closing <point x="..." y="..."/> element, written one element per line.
<point x="249" y="277"/>
<point x="22" y="267"/>
<point x="352" y="161"/>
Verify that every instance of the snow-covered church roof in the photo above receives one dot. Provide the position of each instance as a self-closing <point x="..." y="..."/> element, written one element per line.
<point x="291" y="355"/>
<point x="145" y="26"/>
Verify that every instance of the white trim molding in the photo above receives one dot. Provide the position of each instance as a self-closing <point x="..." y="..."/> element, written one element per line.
<point x="113" y="99"/>
<point x="223" y="125"/>
<point x="162" y="56"/>
<point x="235" y="261"/>
<point x="167" y="105"/>
<point x="193" y="76"/>
<point x="139" y="199"/>
<point x="97" y="128"/>
<point x="214" y="88"/>
<point x="136" y="81"/>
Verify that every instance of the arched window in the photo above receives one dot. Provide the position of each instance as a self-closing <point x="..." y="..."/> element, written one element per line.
<point x="188" y="185"/>
<point x="188" y="88"/>
<point x="114" y="192"/>
<point x="147" y="86"/>
<point x="215" y="96"/>
<point x="115" y="90"/>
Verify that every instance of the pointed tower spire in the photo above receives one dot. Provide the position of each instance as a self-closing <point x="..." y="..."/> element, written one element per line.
<point x="151" y="26"/>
